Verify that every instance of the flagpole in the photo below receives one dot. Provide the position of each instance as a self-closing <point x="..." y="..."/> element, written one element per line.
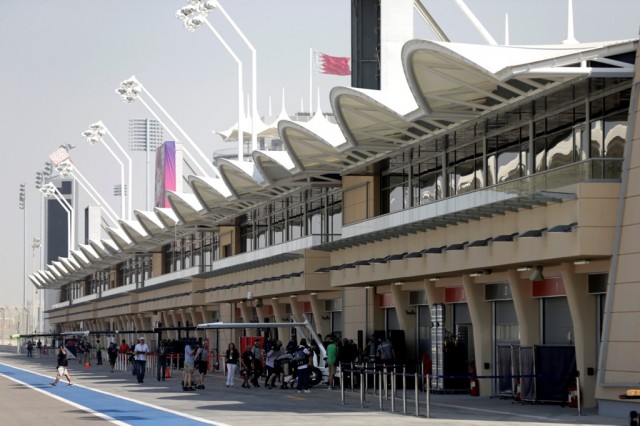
<point x="310" y="80"/>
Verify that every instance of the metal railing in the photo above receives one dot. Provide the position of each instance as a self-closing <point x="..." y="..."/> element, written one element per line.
<point x="391" y="384"/>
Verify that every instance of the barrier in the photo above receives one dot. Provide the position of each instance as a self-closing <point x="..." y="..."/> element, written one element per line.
<point x="389" y="382"/>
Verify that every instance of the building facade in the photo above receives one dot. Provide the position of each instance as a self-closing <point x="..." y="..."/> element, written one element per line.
<point x="495" y="207"/>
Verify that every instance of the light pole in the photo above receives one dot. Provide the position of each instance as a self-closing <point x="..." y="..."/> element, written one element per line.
<point x="254" y="66"/>
<point x="36" y="243"/>
<point x="94" y="134"/>
<point x="192" y="16"/>
<point x="131" y="89"/>
<point x="23" y="206"/>
<point x="65" y="169"/>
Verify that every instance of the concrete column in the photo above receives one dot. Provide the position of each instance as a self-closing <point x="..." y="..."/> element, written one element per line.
<point x="175" y="317"/>
<point x="480" y="312"/>
<point x="206" y="316"/>
<point x="584" y="322"/>
<point x="191" y="315"/>
<point x="527" y="309"/>
<point x="260" y="312"/>
<point x="401" y="304"/>
<point x="296" y="308"/>
<point x="318" y="312"/>
<point x="102" y="324"/>
<point x="434" y="294"/>
<point x="137" y="320"/>
<point x="278" y="313"/>
<point x="247" y="317"/>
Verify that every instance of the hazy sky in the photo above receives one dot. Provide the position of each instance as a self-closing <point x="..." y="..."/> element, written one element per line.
<point x="61" y="61"/>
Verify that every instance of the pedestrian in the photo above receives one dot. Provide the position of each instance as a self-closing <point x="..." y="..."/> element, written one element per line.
<point x="246" y="364"/>
<point x="162" y="361"/>
<point x="29" y="349"/>
<point x="202" y="361"/>
<point x="371" y="349"/>
<point x="124" y="347"/>
<point x="231" y="357"/>
<point x="63" y="363"/>
<point x="332" y="361"/>
<point x="112" y="353"/>
<point x="85" y="349"/>
<point x="39" y="346"/>
<point x="187" y="378"/>
<point x="386" y="354"/>
<point x="98" y="353"/>
<point x="140" y="352"/>
<point x="272" y="364"/>
<point x="302" y="358"/>
<point x="256" y="354"/>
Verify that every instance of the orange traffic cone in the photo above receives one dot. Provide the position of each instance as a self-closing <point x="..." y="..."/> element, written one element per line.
<point x="167" y="373"/>
<point x="87" y="365"/>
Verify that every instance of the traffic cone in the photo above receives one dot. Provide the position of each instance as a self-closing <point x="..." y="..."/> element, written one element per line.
<point x="87" y="365"/>
<point x="167" y="373"/>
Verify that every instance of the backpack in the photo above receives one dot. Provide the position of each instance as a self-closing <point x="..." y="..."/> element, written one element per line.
<point x="300" y="357"/>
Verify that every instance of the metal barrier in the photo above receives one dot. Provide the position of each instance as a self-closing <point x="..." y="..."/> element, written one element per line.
<point x="384" y="379"/>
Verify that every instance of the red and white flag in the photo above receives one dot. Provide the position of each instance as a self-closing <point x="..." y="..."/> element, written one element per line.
<point x="58" y="156"/>
<point x="327" y="64"/>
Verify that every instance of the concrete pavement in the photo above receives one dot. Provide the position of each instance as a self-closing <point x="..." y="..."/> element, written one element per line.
<point x="101" y="396"/>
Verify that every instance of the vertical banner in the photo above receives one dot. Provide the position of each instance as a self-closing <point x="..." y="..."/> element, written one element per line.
<point x="165" y="173"/>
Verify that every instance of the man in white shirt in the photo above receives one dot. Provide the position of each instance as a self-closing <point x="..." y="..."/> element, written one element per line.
<point x="140" y="352"/>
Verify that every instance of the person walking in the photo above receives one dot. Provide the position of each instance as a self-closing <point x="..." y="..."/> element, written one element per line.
<point x="386" y="353"/>
<point x="332" y="361"/>
<point x="269" y="363"/>
<point x="140" y="351"/>
<point x="302" y="358"/>
<point x="274" y="368"/>
<point x="98" y="353"/>
<point x="256" y="354"/>
<point x="246" y="363"/>
<point x="231" y="357"/>
<point x="63" y="363"/>
<point x="202" y="361"/>
<point x="112" y="353"/>
<point x="161" y="370"/>
<point x="85" y="349"/>
<point x="187" y="379"/>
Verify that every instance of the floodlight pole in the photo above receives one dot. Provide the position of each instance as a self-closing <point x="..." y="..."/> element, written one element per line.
<point x="240" y="91"/>
<point x="130" y="172"/>
<point x="23" y="207"/>
<point x="95" y="134"/>
<point x="254" y="79"/>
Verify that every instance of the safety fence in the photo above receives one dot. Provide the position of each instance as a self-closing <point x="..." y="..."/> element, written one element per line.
<point x="173" y="363"/>
<point x="393" y="388"/>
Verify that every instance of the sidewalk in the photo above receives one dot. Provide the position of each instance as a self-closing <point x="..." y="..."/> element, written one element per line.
<point x="235" y="406"/>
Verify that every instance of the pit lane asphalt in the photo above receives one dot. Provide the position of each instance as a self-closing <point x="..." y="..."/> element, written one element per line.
<point x="100" y="396"/>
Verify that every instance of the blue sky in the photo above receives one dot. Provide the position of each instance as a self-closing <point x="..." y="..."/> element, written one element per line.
<point x="63" y="59"/>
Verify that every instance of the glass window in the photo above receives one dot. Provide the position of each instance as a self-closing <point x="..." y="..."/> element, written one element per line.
<point x="560" y="149"/>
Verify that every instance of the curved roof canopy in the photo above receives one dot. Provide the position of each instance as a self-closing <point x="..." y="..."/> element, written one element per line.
<point x="451" y="83"/>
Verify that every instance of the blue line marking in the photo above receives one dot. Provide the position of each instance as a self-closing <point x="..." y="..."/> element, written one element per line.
<point x="120" y="409"/>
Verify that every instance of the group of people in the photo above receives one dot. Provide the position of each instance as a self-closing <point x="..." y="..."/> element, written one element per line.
<point x="196" y="364"/>
<point x="282" y="364"/>
<point x="39" y="346"/>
